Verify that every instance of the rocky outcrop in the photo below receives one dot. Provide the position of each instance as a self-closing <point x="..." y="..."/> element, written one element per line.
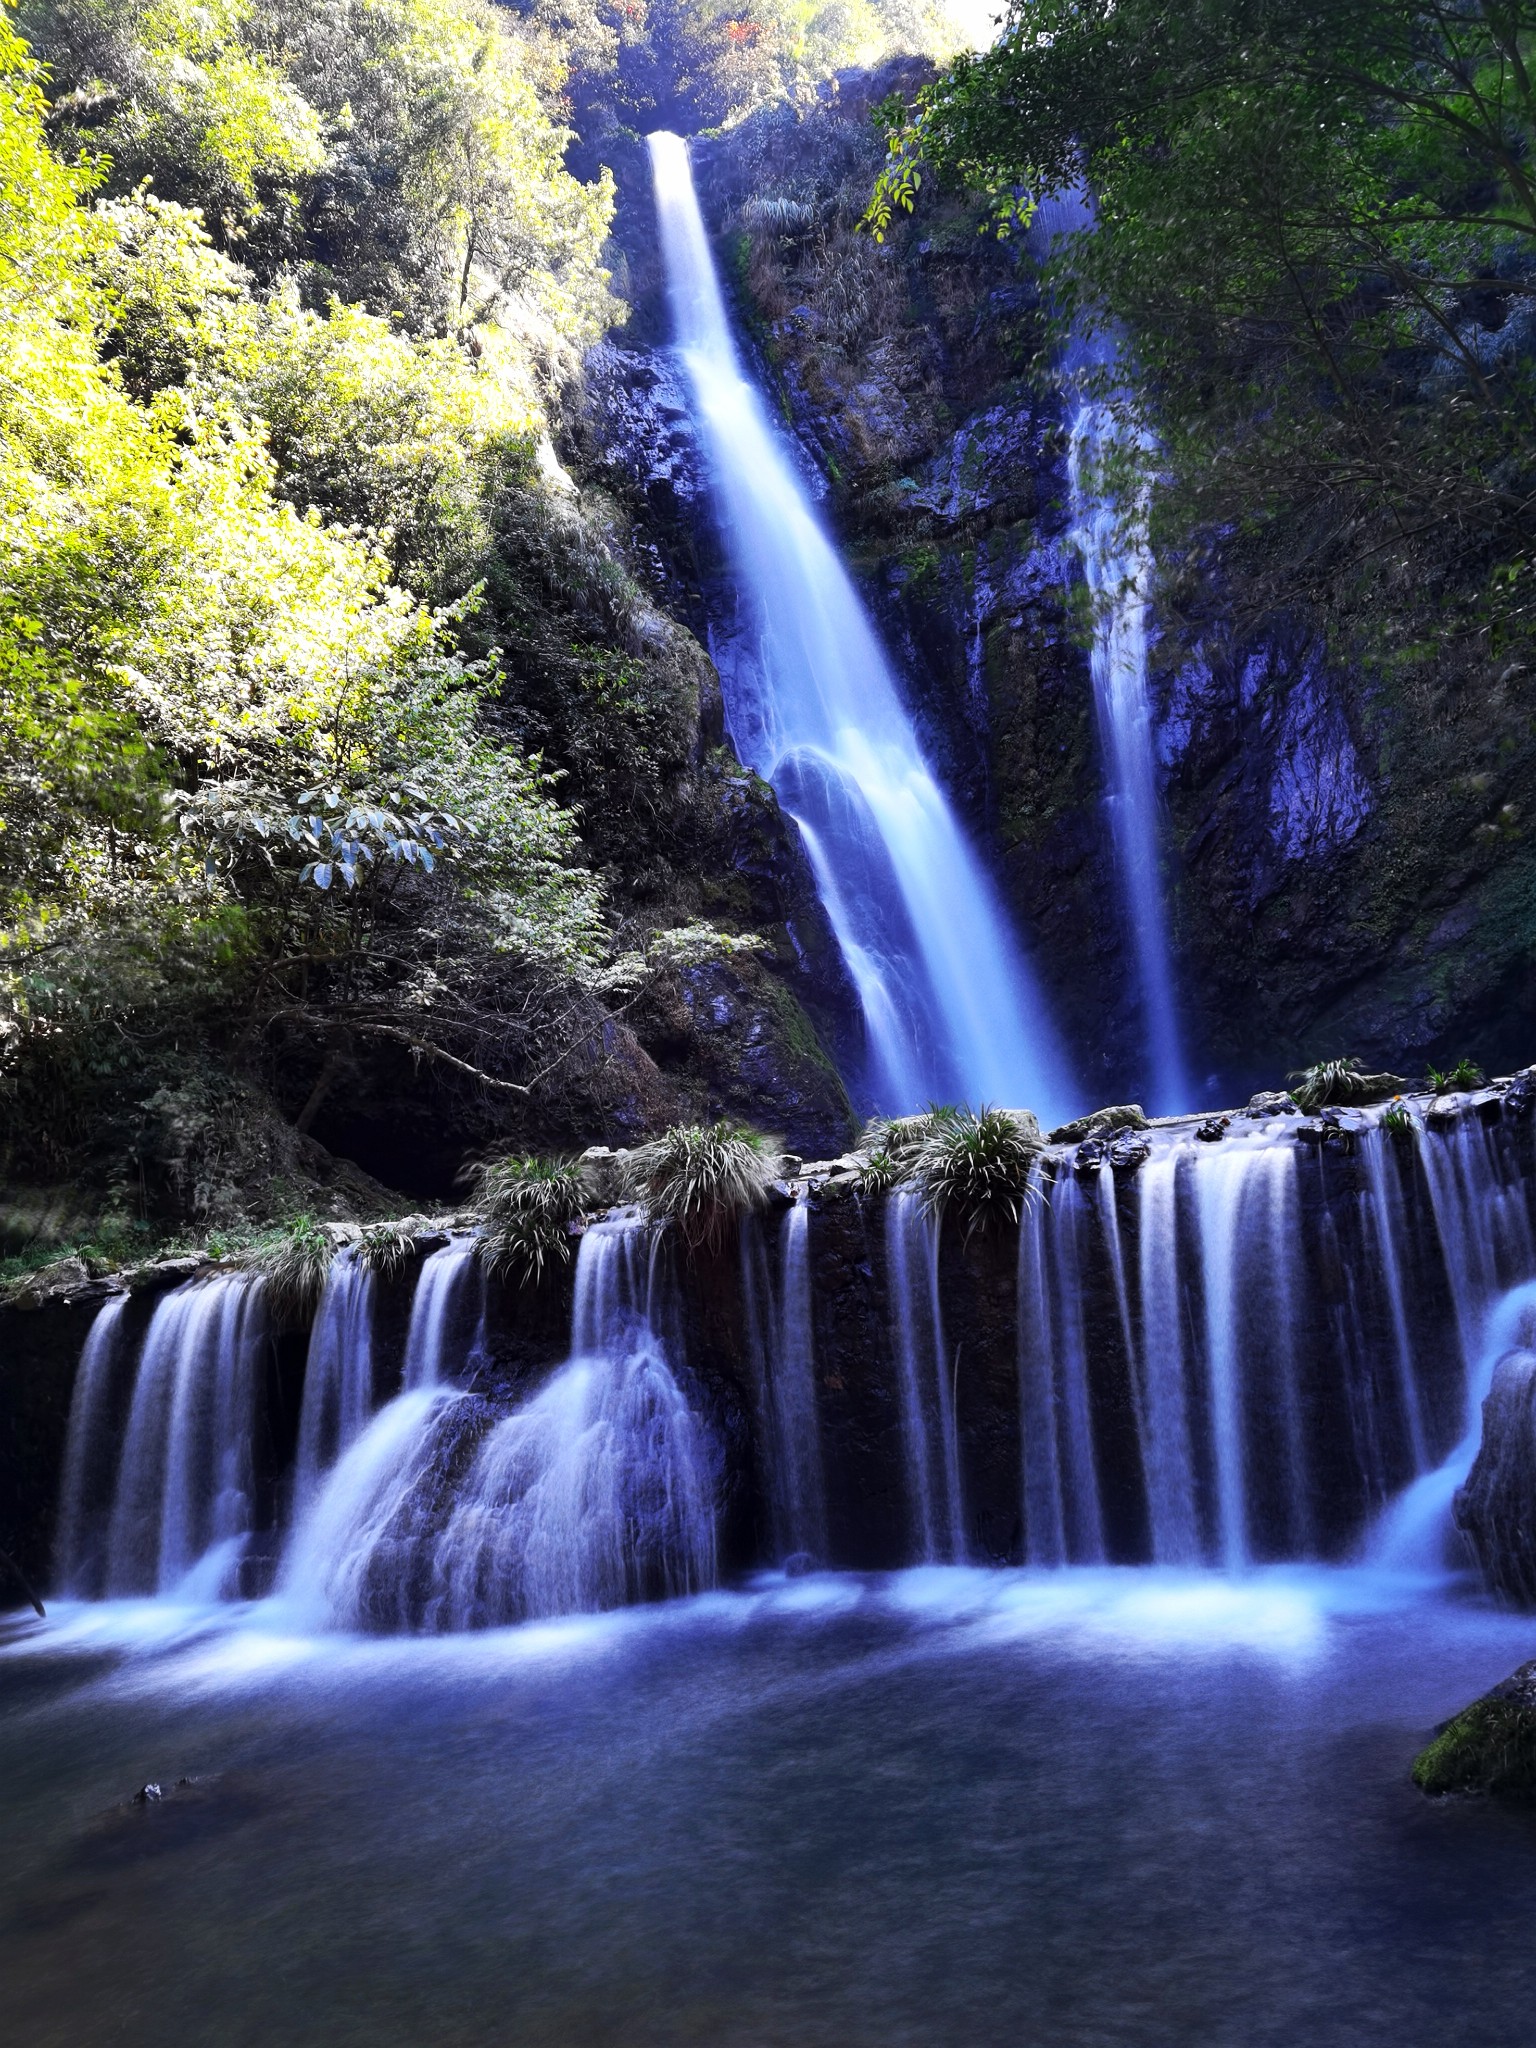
<point x="1496" y="1508"/>
<point x="1348" y="854"/>
<point x="1489" y="1748"/>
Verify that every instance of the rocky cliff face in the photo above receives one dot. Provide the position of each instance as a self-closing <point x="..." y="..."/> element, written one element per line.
<point x="1348" y="852"/>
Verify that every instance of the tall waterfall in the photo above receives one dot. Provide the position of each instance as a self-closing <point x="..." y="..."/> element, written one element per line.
<point x="951" y="1009"/>
<point x="1109" y="532"/>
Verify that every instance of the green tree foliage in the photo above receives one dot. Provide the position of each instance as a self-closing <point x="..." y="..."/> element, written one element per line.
<point x="688" y="64"/>
<point x="393" y="153"/>
<point x="1317" y="221"/>
<point x="263" y="776"/>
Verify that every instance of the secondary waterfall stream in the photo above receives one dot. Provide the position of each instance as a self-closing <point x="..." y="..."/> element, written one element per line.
<point x="1109" y="482"/>
<point x="951" y="1009"/>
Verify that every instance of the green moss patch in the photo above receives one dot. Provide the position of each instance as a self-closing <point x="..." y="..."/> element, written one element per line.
<point x="1491" y="1747"/>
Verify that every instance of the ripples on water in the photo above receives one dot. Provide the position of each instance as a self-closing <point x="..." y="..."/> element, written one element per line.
<point x="945" y="1807"/>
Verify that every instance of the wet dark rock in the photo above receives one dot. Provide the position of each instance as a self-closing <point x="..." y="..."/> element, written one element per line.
<point x="1488" y="1108"/>
<point x="1213" y="1130"/>
<point x="1272" y="1102"/>
<point x="1329" y="1131"/>
<point x="62" y="1280"/>
<point x="1520" y="1096"/>
<point x="603" y="1175"/>
<point x="1101" y="1123"/>
<point x="1443" y="1112"/>
<point x="1490" y="1747"/>
<point x="1092" y="1154"/>
<point x="1496" y="1508"/>
<point x="1130" y="1152"/>
<point x="148" y="1795"/>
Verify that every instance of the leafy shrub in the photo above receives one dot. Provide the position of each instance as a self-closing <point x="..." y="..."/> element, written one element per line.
<point x="526" y="1204"/>
<point x="704" y="1178"/>
<point x="975" y="1166"/>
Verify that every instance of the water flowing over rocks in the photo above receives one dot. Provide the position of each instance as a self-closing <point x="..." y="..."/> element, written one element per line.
<point x="1224" y="1354"/>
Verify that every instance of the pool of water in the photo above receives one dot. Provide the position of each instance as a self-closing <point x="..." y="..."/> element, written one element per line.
<point x="941" y="1808"/>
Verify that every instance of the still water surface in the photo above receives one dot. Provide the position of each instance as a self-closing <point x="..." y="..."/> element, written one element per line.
<point x="944" y="1808"/>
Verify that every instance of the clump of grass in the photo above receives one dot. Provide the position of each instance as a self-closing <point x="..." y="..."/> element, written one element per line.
<point x="526" y="1205"/>
<point x="881" y="1172"/>
<point x="1325" y="1082"/>
<point x="386" y="1248"/>
<point x="1340" y="1082"/>
<point x="900" y="1136"/>
<point x="1465" y="1074"/>
<point x="975" y="1166"/>
<point x="293" y="1267"/>
<point x="704" y="1178"/>
<point x="1398" y="1121"/>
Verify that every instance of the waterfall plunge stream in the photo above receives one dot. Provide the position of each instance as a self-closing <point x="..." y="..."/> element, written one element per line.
<point x="951" y="1010"/>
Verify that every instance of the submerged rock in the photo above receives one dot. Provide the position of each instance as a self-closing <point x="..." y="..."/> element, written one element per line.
<point x="1490" y="1747"/>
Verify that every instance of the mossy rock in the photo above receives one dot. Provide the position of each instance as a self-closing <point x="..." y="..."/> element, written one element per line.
<point x="1491" y="1747"/>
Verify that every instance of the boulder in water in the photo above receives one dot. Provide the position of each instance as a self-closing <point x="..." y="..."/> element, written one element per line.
<point x="1496" y="1508"/>
<point x="1490" y="1747"/>
<point x="1213" y="1130"/>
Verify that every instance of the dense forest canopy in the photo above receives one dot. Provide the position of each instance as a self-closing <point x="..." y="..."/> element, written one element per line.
<point x="1317" y="226"/>
<point x="332" y="716"/>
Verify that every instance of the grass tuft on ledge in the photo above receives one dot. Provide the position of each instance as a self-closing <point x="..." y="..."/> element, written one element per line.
<point x="704" y="1178"/>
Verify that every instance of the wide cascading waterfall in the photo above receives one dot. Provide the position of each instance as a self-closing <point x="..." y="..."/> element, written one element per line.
<point x="1062" y="1519"/>
<point x="597" y="1490"/>
<point x="338" y="1374"/>
<point x="89" y="1458"/>
<point x="951" y="1009"/>
<point x="1305" y="1331"/>
<point x="781" y="1339"/>
<point x="445" y="1276"/>
<point x="1109" y="532"/>
<point x="1482" y="1221"/>
<point x="925" y="1386"/>
<point x="184" y="1502"/>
